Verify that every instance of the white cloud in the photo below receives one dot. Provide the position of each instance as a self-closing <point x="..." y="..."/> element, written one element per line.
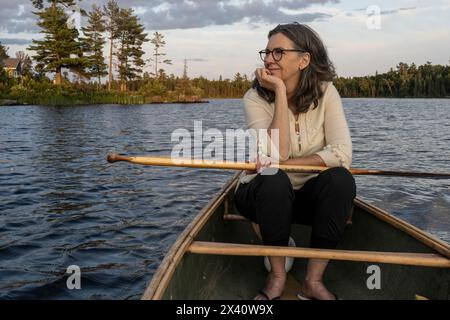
<point x="21" y="10"/>
<point x="140" y="10"/>
<point x="405" y="36"/>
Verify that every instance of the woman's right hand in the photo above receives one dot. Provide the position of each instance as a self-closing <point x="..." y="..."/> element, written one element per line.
<point x="268" y="81"/>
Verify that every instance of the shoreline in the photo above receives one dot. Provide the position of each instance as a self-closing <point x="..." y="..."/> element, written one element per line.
<point x="11" y="103"/>
<point x="8" y="102"/>
<point x="178" y="102"/>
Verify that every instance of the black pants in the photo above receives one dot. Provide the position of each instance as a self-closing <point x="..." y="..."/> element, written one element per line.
<point x="324" y="202"/>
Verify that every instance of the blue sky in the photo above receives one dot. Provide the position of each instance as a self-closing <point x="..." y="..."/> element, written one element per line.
<point x="223" y="37"/>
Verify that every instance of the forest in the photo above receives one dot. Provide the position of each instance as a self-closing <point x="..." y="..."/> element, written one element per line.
<point x="405" y="81"/>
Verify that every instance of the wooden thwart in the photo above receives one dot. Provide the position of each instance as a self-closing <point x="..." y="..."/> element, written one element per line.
<point x="414" y="259"/>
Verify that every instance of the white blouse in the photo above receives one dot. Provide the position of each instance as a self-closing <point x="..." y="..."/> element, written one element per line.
<point x="323" y="131"/>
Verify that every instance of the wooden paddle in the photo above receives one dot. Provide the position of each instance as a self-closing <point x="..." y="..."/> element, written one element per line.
<point x="209" y="164"/>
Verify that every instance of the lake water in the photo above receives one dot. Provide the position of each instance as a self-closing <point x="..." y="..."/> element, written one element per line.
<point x="61" y="204"/>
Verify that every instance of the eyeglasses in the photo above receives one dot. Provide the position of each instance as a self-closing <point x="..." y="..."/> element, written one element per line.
<point x="277" y="53"/>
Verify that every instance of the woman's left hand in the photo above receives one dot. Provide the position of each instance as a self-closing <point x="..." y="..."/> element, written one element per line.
<point x="268" y="81"/>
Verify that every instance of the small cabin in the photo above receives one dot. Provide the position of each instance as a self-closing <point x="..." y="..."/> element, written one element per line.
<point x="12" y="66"/>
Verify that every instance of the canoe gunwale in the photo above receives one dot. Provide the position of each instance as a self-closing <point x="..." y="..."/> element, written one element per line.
<point x="418" y="234"/>
<point x="163" y="275"/>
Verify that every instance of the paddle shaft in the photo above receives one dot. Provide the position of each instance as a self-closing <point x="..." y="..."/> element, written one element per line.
<point x="210" y="164"/>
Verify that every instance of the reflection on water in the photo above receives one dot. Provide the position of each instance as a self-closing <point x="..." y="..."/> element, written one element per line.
<point x="62" y="204"/>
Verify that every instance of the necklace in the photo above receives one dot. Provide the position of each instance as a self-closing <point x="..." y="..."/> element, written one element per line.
<point x="297" y="132"/>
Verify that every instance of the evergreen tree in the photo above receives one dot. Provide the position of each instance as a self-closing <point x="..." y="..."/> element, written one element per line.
<point x="59" y="49"/>
<point x="131" y="37"/>
<point x="111" y="11"/>
<point x="184" y="84"/>
<point x="92" y="44"/>
<point x="3" y="55"/>
<point x="39" y="4"/>
<point x="159" y="43"/>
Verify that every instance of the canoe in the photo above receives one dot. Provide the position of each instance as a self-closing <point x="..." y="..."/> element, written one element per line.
<point x="220" y="257"/>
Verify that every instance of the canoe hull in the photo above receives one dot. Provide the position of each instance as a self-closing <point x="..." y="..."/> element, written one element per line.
<point x="201" y="276"/>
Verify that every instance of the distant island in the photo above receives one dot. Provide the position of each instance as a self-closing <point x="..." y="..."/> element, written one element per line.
<point x="69" y="67"/>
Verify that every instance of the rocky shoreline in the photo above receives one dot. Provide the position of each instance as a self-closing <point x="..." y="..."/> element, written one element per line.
<point x="7" y="102"/>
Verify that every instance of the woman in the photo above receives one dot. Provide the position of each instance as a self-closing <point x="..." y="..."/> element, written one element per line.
<point x="293" y="94"/>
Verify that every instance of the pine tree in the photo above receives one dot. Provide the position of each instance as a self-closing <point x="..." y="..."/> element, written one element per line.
<point x="185" y="70"/>
<point x="111" y="11"/>
<point x="184" y="84"/>
<point x="131" y="37"/>
<point x="3" y="55"/>
<point x="159" y="43"/>
<point x="59" y="49"/>
<point x="92" y="44"/>
<point x="39" y="4"/>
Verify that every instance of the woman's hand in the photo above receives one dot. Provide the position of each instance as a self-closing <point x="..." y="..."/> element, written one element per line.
<point x="268" y="81"/>
<point x="262" y="162"/>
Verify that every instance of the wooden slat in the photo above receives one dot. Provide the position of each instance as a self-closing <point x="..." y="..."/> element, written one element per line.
<point x="418" y="234"/>
<point x="414" y="259"/>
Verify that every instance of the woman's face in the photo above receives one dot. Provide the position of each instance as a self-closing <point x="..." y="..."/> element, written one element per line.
<point x="289" y="67"/>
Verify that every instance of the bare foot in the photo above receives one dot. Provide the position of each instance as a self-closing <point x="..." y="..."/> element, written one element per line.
<point x="316" y="290"/>
<point x="274" y="287"/>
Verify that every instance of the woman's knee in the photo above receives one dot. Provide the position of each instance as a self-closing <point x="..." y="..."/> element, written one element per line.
<point x="275" y="189"/>
<point x="276" y="181"/>
<point x="335" y="197"/>
<point x="340" y="180"/>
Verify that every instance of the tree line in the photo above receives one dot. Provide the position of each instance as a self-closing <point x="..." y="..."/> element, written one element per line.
<point x="406" y="81"/>
<point x="76" y="62"/>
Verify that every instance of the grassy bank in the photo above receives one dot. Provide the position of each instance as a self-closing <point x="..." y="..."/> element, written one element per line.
<point x="35" y="92"/>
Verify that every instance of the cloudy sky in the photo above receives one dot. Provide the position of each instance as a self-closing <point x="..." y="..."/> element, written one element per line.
<point x="223" y="37"/>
